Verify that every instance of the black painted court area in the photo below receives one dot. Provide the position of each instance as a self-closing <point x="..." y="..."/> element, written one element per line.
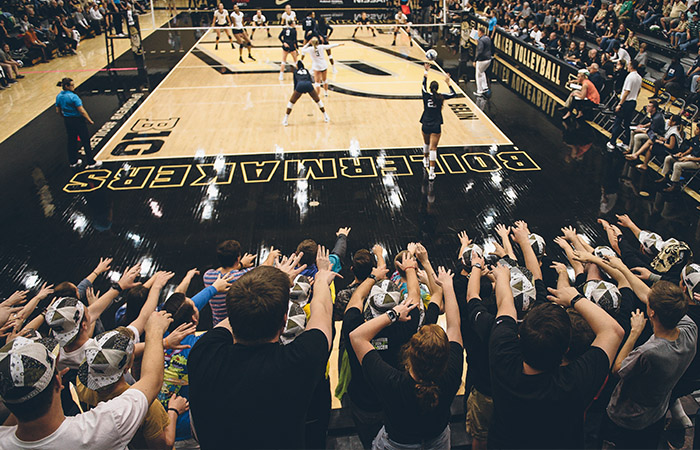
<point x="49" y="234"/>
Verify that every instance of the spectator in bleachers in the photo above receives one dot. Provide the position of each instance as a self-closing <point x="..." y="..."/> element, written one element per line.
<point x="675" y="16"/>
<point x="676" y="163"/>
<point x="95" y="18"/>
<point x="9" y="65"/>
<point x="678" y="33"/>
<point x="653" y="124"/>
<point x="673" y="80"/>
<point x="692" y="34"/>
<point x="595" y="77"/>
<point x="642" y="58"/>
<point x="582" y="99"/>
<point x="660" y="145"/>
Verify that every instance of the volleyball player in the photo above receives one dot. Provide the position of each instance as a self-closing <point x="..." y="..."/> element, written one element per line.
<point x="364" y="21"/>
<point x="221" y="19"/>
<point x="290" y="45"/>
<point x="288" y="15"/>
<point x="318" y="62"/>
<point x="259" y="21"/>
<point x="310" y="27"/>
<point x="303" y="85"/>
<point x="240" y="34"/>
<point x="432" y="119"/>
<point x="324" y="32"/>
<point x="402" y="23"/>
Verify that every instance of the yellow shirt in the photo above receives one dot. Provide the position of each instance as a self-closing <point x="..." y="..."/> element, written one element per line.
<point x="153" y="425"/>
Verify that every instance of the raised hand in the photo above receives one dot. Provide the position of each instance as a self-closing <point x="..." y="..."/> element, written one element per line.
<point x="637" y="322"/>
<point x="128" y="279"/>
<point x="464" y="238"/>
<point x="191" y="273"/>
<point x="103" y="266"/>
<point x="380" y="273"/>
<point x="16" y="298"/>
<point x="172" y="341"/>
<point x="411" y="247"/>
<point x="288" y="265"/>
<point x="624" y="220"/>
<point x="323" y="262"/>
<point x="502" y="231"/>
<point x="476" y="259"/>
<point x="403" y="310"/>
<point x="343" y="230"/>
<point x="45" y="291"/>
<point x="407" y="262"/>
<point x="161" y="279"/>
<point x="501" y="272"/>
<point x="91" y="295"/>
<point x="562" y="296"/>
<point x="222" y="284"/>
<point x="642" y="272"/>
<point x="569" y="233"/>
<point x="422" y="276"/>
<point x="444" y="277"/>
<point x="558" y="267"/>
<point x="520" y="232"/>
<point x="583" y="257"/>
<point x="562" y="242"/>
<point x="421" y="254"/>
<point x="158" y="323"/>
<point x="247" y="260"/>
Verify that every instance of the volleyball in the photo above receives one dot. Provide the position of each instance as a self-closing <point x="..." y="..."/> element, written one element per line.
<point x="431" y="55"/>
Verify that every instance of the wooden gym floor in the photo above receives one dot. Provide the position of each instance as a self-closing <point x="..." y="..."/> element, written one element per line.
<point x="211" y="104"/>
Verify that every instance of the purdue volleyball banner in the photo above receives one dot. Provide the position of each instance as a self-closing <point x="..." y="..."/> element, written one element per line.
<point x="543" y="67"/>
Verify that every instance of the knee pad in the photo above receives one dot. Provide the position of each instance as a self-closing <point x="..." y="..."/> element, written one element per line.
<point x="290" y="105"/>
<point x="320" y="103"/>
<point x="433" y="155"/>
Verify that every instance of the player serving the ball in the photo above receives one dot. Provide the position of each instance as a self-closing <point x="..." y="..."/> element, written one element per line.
<point x="431" y="119"/>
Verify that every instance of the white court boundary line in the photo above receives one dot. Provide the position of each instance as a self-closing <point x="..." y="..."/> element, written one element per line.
<point x="104" y="147"/>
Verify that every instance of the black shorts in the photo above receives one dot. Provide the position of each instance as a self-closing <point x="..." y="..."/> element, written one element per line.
<point x="237" y="30"/>
<point x="323" y="39"/>
<point x="363" y="22"/>
<point x="289" y="48"/>
<point x="304" y="87"/>
<point x="221" y="26"/>
<point x="308" y="35"/>
<point x="431" y="128"/>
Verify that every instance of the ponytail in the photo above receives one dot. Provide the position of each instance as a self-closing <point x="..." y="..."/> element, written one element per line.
<point x="428" y="395"/>
<point x="438" y="99"/>
<point x="425" y="358"/>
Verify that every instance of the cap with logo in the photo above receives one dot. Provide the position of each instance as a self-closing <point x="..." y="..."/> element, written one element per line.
<point x="26" y="368"/>
<point x="106" y="360"/>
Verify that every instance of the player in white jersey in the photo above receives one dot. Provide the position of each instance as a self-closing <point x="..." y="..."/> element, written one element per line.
<point x="288" y="15"/>
<point x="319" y="66"/>
<point x="259" y="21"/>
<point x="221" y="19"/>
<point x="402" y="23"/>
<point x="240" y="34"/>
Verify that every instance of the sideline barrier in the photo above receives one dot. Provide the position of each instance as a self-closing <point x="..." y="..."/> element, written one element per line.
<point x="552" y="72"/>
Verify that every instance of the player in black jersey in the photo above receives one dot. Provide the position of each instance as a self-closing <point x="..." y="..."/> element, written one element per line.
<point x="363" y="20"/>
<point x="324" y="32"/>
<point x="310" y="27"/>
<point x="432" y="119"/>
<point x="303" y="84"/>
<point x="290" y="45"/>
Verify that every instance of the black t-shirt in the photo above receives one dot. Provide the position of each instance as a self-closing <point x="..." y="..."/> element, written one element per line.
<point x="432" y="313"/>
<point x="544" y="410"/>
<point x="477" y="324"/>
<point x="360" y="392"/>
<point x="253" y="396"/>
<point x="406" y="422"/>
<point x="390" y="340"/>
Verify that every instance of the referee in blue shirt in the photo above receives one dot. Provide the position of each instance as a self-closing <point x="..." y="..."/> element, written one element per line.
<point x="69" y="105"/>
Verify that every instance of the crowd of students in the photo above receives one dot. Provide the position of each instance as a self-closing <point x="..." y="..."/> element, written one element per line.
<point x="596" y="347"/>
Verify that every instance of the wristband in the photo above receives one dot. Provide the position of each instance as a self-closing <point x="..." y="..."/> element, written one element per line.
<point x="575" y="300"/>
<point x="116" y="287"/>
<point x="173" y="409"/>
<point x="373" y="277"/>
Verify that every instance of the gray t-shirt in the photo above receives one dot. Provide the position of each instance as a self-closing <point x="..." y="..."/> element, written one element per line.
<point x="648" y="375"/>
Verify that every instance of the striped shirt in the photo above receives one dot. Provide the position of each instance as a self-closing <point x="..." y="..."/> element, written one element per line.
<point x="218" y="302"/>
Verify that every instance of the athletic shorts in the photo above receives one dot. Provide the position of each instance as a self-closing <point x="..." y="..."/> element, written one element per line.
<point x="479" y="414"/>
<point x="289" y="48"/>
<point x="308" y="35"/>
<point x="323" y="39"/>
<point x="221" y="26"/>
<point x="304" y="87"/>
<point x="431" y="128"/>
<point x="237" y="30"/>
